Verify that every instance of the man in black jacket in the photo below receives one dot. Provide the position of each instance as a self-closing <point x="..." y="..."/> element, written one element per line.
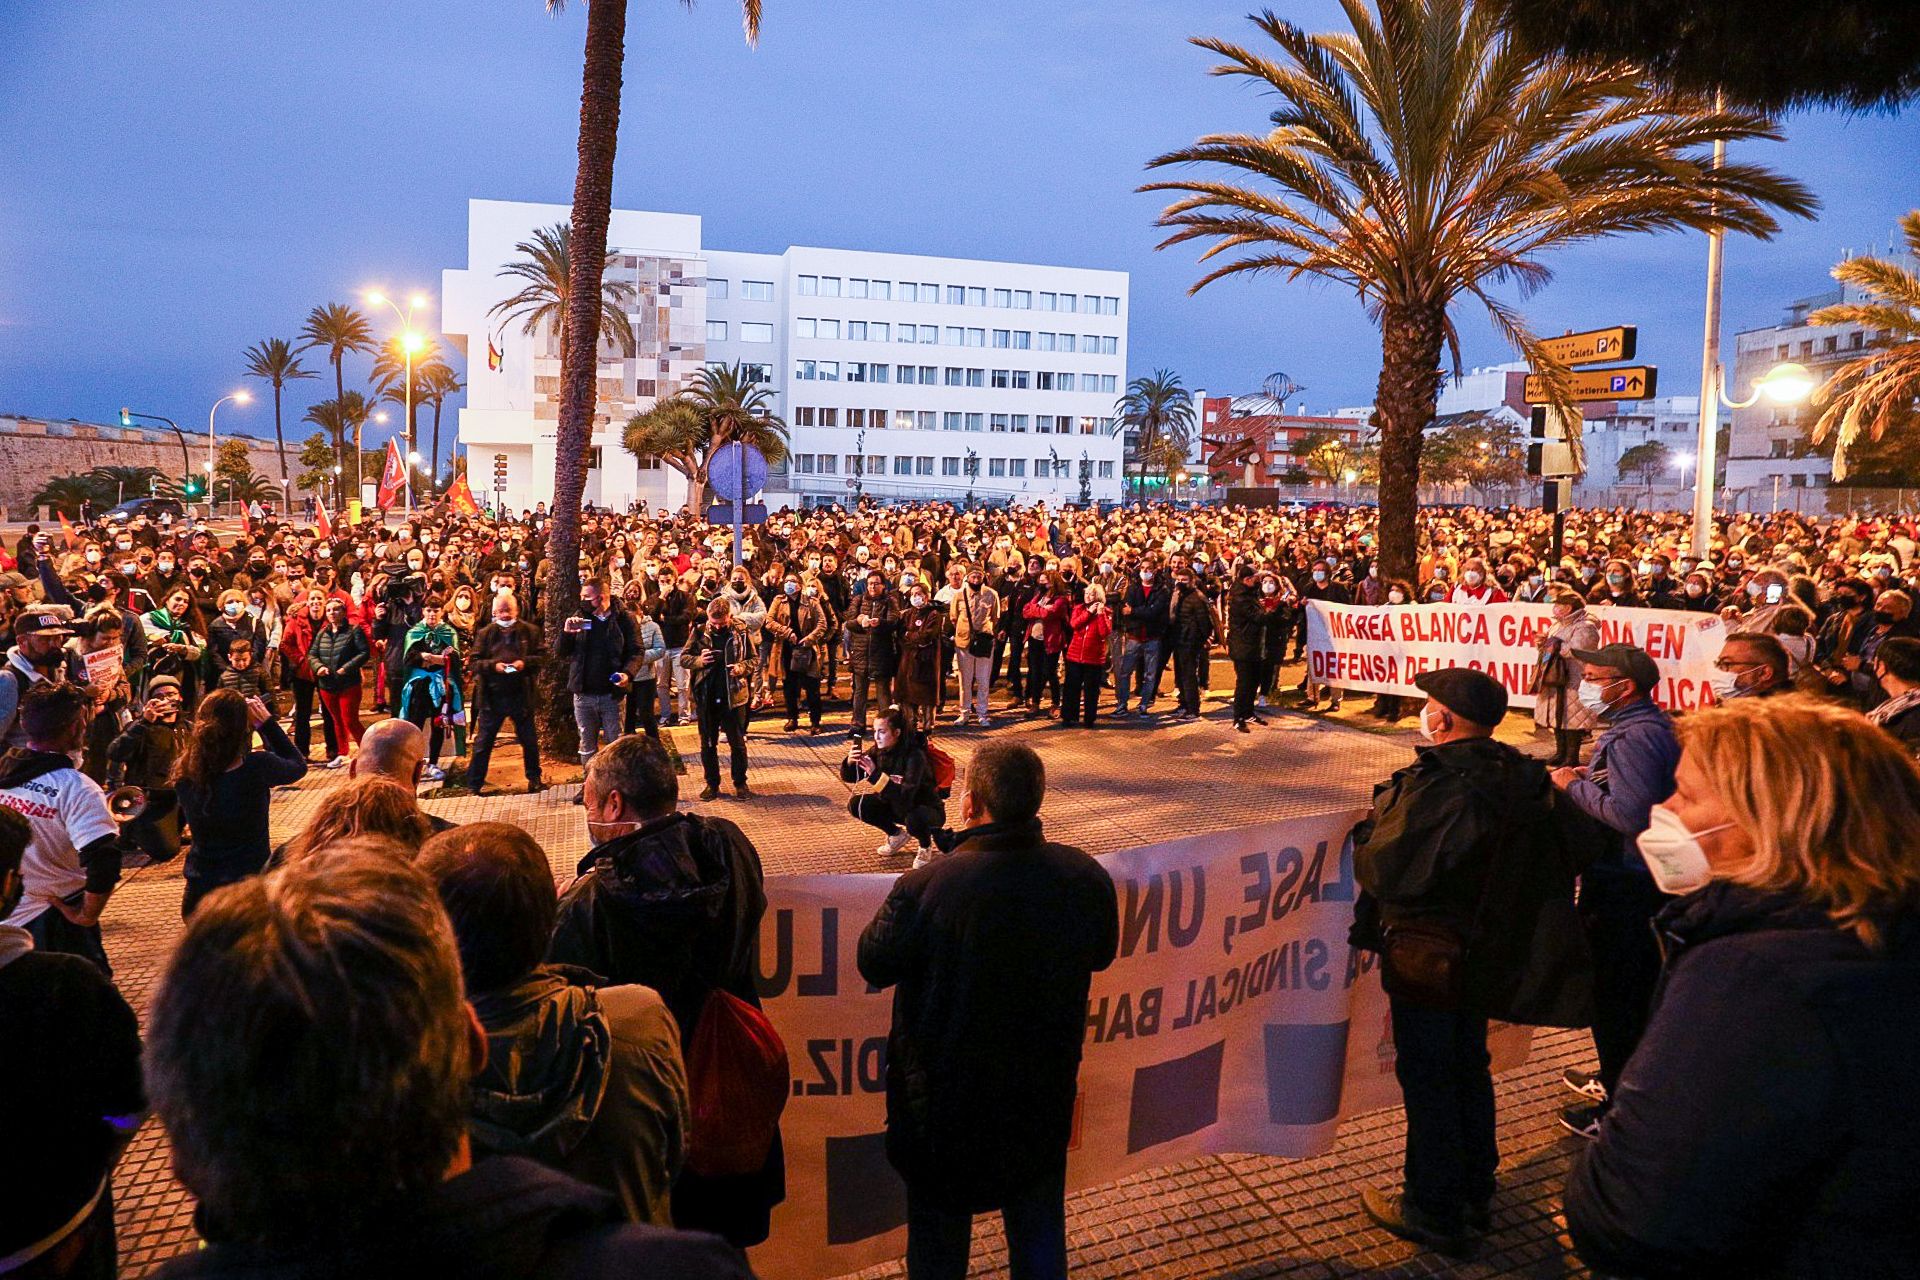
<point x="1190" y="635"/>
<point x="1463" y="845"/>
<point x="993" y="950"/>
<point x="374" y="1046"/>
<point x="1142" y="622"/>
<point x="602" y="651"/>
<point x="506" y="656"/>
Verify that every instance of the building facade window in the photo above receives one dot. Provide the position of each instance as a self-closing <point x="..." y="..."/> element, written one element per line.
<point x="976" y="422"/>
<point x="1022" y="340"/>
<point x="1003" y="297"/>
<point x="1017" y="468"/>
<point x="717" y="290"/>
<point x="997" y="468"/>
<point x="923" y="466"/>
<point x="828" y="463"/>
<point x="903" y="465"/>
<point x="1002" y="338"/>
<point x="829" y="417"/>
<point x="756" y="332"/>
<point x="1106" y="471"/>
<point x="806" y="327"/>
<point x="1023" y="300"/>
<point x="716" y="331"/>
<point x="929" y="335"/>
<point x="803" y="416"/>
<point x="1019" y="424"/>
<point x="949" y="466"/>
<point x="997" y="422"/>
<point x="880" y="290"/>
<point x="829" y="286"/>
<point x="1022" y="379"/>
<point x="950" y="421"/>
<point x="807" y="286"/>
<point x="929" y="375"/>
<point x="1002" y="379"/>
<point x="956" y="296"/>
<point x="924" y="419"/>
<point x="956" y="376"/>
<point x="856" y="331"/>
<point x="976" y="377"/>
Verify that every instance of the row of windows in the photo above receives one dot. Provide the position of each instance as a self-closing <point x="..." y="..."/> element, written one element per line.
<point x="927" y="375"/>
<point x="933" y="334"/>
<point x="955" y="295"/>
<point x="875" y="464"/>
<point x="750" y="290"/>
<point x="1044" y="424"/>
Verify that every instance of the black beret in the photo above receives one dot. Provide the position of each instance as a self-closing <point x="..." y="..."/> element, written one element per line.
<point x="1471" y="695"/>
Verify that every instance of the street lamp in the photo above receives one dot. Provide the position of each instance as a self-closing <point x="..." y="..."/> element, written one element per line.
<point x="186" y="459"/>
<point x="411" y="344"/>
<point x="238" y="397"/>
<point x="336" y="487"/>
<point x="1683" y="461"/>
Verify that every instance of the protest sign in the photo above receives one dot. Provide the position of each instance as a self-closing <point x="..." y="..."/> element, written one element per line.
<point x="1236" y="1018"/>
<point x="103" y="667"/>
<point x="1380" y="648"/>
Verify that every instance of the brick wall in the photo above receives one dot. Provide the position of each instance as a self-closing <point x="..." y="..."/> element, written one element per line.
<point x="34" y="450"/>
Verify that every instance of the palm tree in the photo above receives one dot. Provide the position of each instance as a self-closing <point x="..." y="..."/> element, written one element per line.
<point x="276" y="361"/>
<point x="543" y="299"/>
<point x="64" y="493"/>
<point x="586" y="267"/>
<point x="340" y="329"/>
<point x="1882" y="387"/>
<point x="685" y="430"/>
<point x="390" y="377"/>
<point x="1423" y="159"/>
<point x="113" y="485"/>
<point x="252" y="487"/>
<point x="343" y="419"/>
<point x="439" y="382"/>
<point x="1159" y="411"/>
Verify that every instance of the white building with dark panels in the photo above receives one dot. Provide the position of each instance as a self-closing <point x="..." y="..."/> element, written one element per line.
<point x="899" y="376"/>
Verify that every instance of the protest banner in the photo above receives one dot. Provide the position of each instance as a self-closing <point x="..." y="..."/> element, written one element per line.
<point x="1381" y="648"/>
<point x="1236" y="1019"/>
<point x="103" y="667"/>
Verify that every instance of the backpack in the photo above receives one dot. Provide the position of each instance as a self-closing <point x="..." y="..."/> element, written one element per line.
<point x="737" y="1084"/>
<point x="943" y="770"/>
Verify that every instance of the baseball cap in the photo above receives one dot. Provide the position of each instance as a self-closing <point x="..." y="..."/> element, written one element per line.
<point x="1471" y="695"/>
<point x="42" y="623"/>
<point x="11" y="579"/>
<point x="1630" y="659"/>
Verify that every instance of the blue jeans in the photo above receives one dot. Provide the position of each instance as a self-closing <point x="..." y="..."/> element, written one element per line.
<point x="598" y="718"/>
<point x="939" y="1239"/>
<point x="1142" y="656"/>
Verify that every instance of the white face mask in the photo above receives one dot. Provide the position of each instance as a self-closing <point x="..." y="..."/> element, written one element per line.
<point x="1673" y="853"/>
<point x="1426" y="728"/>
<point x="1396" y="597"/>
<point x="1475" y="577"/>
<point x="1591" y="698"/>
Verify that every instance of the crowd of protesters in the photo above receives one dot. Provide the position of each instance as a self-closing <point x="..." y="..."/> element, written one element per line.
<point x="522" y="1099"/>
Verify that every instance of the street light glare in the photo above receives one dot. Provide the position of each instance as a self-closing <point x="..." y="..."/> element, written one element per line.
<point x="243" y="397"/>
<point x="381" y="417"/>
<point x="418" y="300"/>
<point x="376" y="297"/>
<point x="1787" y="383"/>
<point x="412" y="342"/>
<point x="1683" y="460"/>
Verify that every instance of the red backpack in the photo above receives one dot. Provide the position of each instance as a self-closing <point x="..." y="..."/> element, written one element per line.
<point x="943" y="770"/>
<point x="738" y="1082"/>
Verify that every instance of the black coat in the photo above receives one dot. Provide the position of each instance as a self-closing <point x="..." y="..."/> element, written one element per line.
<point x="1470" y="818"/>
<point x="1766" y="1124"/>
<point x="1246" y="624"/>
<point x="504" y="1219"/>
<point x="599" y="650"/>
<point x="992" y="950"/>
<point x="1190" y="620"/>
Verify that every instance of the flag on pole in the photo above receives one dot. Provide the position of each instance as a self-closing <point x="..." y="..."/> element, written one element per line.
<point x="496" y="358"/>
<point x="393" y="477"/>
<point x="324" y="525"/>
<point x="67" y="530"/>
<point x="460" y="497"/>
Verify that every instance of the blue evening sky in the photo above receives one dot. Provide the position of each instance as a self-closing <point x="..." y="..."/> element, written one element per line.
<point x="180" y="178"/>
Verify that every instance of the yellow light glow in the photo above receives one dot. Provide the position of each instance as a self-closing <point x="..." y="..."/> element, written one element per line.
<point x="243" y="397"/>
<point x="418" y="300"/>
<point x="1787" y="383"/>
<point x="412" y="342"/>
<point x="376" y="297"/>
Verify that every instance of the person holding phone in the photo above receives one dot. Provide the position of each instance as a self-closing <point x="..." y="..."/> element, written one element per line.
<point x="224" y="790"/>
<point x="600" y="645"/>
<point x="720" y="657"/>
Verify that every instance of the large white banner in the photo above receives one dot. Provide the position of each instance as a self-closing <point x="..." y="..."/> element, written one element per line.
<point x="1381" y="648"/>
<point x="1236" y="1018"/>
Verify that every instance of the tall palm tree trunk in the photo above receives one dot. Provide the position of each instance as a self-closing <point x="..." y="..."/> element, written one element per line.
<point x="579" y="343"/>
<point x="280" y="442"/>
<point x="340" y="398"/>
<point x="433" y="460"/>
<point x="1408" y="390"/>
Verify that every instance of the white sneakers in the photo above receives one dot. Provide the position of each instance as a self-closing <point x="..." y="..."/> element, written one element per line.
<point x="925" y="856"/>
<point x="893" y="844"/>
<point x="434" y="773"/>
<point x="338" y="762"/>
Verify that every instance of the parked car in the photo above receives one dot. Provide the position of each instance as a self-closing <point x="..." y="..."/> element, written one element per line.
<point x="151" y="508"/>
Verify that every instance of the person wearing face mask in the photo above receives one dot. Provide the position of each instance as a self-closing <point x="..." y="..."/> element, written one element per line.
<point x="233" y="622"/>
<point x="1463" y="855"/>
<point x="506" y="658"/>
<point x="720" y="655"/>
<point x="797" y="632"/>
<point x="1321" y="586"/>
<point x="1248" y="620"/>
<point x="1142" y="631"/>
<point x="672" y="901"/>
<point x="1751" y="665"/>
<point x="904" y="802"/>
<point x="1630" y="772"/>
<point x="873" y="625"/>
<point x="1897" y="668"/>
<point x="1764" y="1126"/>
<point x="1892" y="617"/>
<point x="1475" y="587"/>
<point x="1091" y="624"/>
<point x="1697" y="594"/>
<point x="1557" y="705"/>
<point x="923" y="626"/>
<point x="672" y="607"/>
<point x="974" y="616"/>
<point x="1192" y="629"/>
<point x="39" y="656"/>
<point x="750" y="611"/>
<point x="309" y="615"/>
<point x="1047" y="626"/>
<point x="992" y="950"/>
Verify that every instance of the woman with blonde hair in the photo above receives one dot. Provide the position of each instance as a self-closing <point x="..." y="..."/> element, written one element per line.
<point x="1765" y="1126"/>
<point x="370" y="806"/>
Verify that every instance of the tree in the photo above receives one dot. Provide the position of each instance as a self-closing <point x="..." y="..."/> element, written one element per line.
<point x="542" y="301"/>
<point x="343" y="420"/>
<point x="1646" y="460"/>
<point x="1485" y="453"/>
<point x="440" y="382"/>
<point x="1158" y="409"/>
<point x="1846" y="53"/>
<point x="586" y="269"/>
<point x="1324" y="453"/>
<point x="338" y="328"/>
<point x="684" y="431"/>
<point x="1882" y="387"/>
<point x="1425" y="159"/>
<point x="112" y="485"/>
<point x="276" y="361"/>
<point x="64" y="494"/>
<point x="316" y="460"/>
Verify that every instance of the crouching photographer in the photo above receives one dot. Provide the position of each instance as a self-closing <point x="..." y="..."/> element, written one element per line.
<point x="905" y="803"/>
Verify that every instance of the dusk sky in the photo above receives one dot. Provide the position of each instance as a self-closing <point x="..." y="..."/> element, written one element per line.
<point x="179" y="180"/>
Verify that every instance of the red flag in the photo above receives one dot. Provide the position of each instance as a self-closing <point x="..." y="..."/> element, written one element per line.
<point x="325" y="526"/>
<point x="460" y="497"/>
<point x="67" y="530"/>
<point x="393" y="477"/>
<point x="246" y="521"/>
<point x="496" y="358"/>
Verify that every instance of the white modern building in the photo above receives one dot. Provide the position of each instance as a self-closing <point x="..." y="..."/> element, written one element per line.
<point x="899" y="376"/>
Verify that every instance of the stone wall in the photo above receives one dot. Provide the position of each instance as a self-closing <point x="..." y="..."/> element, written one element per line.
<point x="34" y="450"/>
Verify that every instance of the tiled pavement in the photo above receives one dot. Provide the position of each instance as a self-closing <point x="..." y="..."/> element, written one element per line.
<point x="1119" y="786"/>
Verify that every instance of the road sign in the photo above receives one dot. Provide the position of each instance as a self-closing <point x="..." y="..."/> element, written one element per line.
<point x="721" y="513"/>
<point x="1634" y="382"/>
<point x="732" y="463"/>
<point x="1596" y="346"/>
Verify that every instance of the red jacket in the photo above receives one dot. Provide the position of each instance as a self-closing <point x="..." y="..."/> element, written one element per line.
<point x="1090" y="632"/>
<point x="1052" y="617"/>
<point x="296" y="645"/>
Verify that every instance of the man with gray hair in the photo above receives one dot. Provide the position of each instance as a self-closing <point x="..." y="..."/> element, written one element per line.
<point x="338" y="980"/>
<point x="992" y="951"/>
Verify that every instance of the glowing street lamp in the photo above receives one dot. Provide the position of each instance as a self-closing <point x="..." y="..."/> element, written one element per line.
<point x="1683" y="461"/>
<point x="238" y="397"/>
<point x="411" y="345"/>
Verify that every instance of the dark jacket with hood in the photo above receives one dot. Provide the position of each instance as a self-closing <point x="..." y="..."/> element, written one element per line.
<point x="676" y="906"/>
<point x="992" y="950"/>
<point x="585" y="1078"/>
<point x="507" y="1218"/>
<point x="1473" y="834"/>
<point x="1765" y="1126"/>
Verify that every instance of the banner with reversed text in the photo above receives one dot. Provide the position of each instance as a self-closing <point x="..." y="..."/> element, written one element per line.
<point x="1380" y="648"/>
<point x="1236" y="1018"/>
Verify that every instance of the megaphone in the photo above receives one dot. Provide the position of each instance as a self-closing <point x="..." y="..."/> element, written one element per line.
<point x="126" y="803"/>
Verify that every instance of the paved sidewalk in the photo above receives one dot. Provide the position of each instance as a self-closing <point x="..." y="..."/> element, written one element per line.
<point x="1122" y="785"/>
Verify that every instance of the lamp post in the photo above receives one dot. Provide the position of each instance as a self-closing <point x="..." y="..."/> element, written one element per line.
<point x="337" y="504"/>
<point x="1683" y="461"/>
<point x="186" y="459"/>
<point x="1786" y="383"/>
<point x="411" y="344"/>
<point x="238" y="397"/>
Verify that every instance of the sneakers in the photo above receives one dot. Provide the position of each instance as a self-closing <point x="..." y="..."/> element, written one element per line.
<point x="338" y="762"/>
<point x="1393" y="1212"/>
<point x="1260" y="701"/>
<point x="893" y="844"/>
<point x="434" y="773"/>
<point x="925" y="857"/>
<point x="1582" y="1120"/>
<point x="1584" y="1083"/>
<point x="741" y="791"/>
<point x="960" y="720"/>
<point x="1241" y="726"/>
<point x="985" y="722"/>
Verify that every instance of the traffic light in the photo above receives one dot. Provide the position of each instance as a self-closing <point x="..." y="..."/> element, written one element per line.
<point x="190" y="488"/>
<point x="126" y="418"/>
